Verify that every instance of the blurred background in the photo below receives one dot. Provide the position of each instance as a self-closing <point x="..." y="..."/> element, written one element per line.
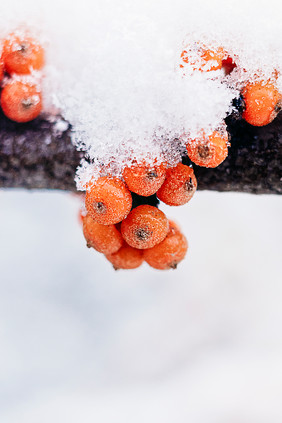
<point x="82" y="342"/>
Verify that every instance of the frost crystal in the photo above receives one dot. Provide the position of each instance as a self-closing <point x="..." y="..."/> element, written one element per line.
<point x="113" y="70"/>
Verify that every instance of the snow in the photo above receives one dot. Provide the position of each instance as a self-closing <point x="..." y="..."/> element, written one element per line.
<point x="81" y="342"/>
<point x="113" y="69"/>
<point x="60" y="126"/>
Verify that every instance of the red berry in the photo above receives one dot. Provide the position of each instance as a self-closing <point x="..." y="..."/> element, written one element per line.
<point x="202" y="58"/>
<point x="103" y="238"/>
<point x="126" y="258"/>
<point x="261" y="103"/>
<point x="169" y="252"/>
<point x="144" y="179"/>
<point x="179" y="186"/>
<point x="21" y="101"/>
<point x="21" y="54"/>
<point x="144" y="227"/>
<point x="208" y="151"/>
<point x="1" y="70"/>
<point x="108" y="200"/>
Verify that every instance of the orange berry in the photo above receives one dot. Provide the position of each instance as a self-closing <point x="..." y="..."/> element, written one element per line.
<point x="108" y="200"/>
<point x="144" y="227"/>
<point x="169" y="252"/>
<point x="144" y="179"/>
<point x="208" y="151"/>
<point x="203" y="59"/>
<point x="261" y="103"/>
<point x="21" y="101"/>
<point x="21" y="54"/>
<point x="1" y="70"/>
<point x="179" y="186"/>
<point x="173" y="226"/>
<point x="126" y="258"/>
<point x="103" y="238"/>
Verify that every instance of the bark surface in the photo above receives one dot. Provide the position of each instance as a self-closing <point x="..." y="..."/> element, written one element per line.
<point x="40" y="155"/>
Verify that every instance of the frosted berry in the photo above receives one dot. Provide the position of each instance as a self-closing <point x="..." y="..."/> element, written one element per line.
<point x="21" y="101"/>
<point x="169" y="252"/>
<point x="103" y="238"/>
<point x="202" y="58"/>
<point x="179" y="186"/>
<point x="126" y="258"/>
<point x="144" y="179"/>
<point x="208" y="151"/>
<point x="144" y="227"/>
<point x="261" y="103"/>
<point x="1" y="70"/>
<point x="108" y="200"/>
<point x="21" y="54"/>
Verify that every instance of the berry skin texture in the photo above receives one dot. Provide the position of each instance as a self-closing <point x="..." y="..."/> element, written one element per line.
<point x="1" y="70"/>
<point x="108" y="200"/>
<point x="179" y="186"/>
<point x="208" y="151"/>
<point x="103" y="238"/>
<point x="144" y="227"/>
<point x="21" y="102"/>
<point x="169" y="252"/>
<point x="21" y="54"/>
<point x="126" y="258"/>
<point x="143" y="179"/>
<point x="261" y="101"/>
<point x="203" y="59"/>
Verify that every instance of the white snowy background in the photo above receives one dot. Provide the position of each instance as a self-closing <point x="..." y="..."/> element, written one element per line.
<point x="80" y="342"/>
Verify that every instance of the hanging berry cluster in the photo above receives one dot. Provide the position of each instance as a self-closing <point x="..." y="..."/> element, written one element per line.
<point x="21" y="61"/>
<point x="127" y="234"/>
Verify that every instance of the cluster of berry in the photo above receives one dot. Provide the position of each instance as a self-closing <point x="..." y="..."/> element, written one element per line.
<point x="129" y="235"/>
<point x="261" y="98"/>
<point x="21" y="60"/>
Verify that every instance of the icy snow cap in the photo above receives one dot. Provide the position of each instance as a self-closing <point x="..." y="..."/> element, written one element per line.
<point x="113" y="70"/>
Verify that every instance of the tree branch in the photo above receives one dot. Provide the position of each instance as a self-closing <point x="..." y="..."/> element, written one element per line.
<point x="254" y="162"/>
<point x="40" y="155"/>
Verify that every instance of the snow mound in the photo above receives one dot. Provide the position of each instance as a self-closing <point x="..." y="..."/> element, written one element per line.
<point x="113" y="70"/>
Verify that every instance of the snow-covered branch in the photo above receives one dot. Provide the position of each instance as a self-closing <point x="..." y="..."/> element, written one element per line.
<point x="40" y="155"/>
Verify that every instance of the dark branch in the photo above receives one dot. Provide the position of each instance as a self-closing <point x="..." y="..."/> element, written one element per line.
<point x="39" y="155"/>
<point x="254" y="162"/>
